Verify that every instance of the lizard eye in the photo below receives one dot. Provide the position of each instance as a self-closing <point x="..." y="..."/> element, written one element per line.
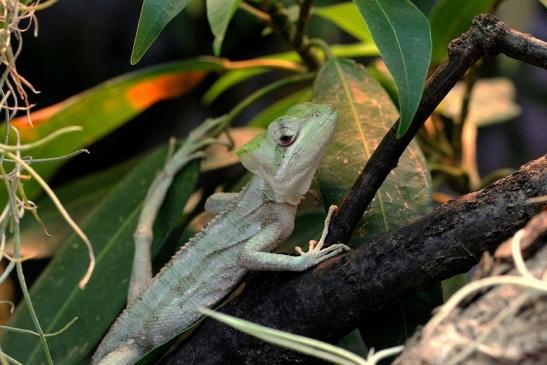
<point x="286" y="140"/>
<point x="284" y="136"/>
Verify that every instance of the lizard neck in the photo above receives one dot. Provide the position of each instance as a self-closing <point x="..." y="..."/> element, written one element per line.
<point x="262" y="189"/>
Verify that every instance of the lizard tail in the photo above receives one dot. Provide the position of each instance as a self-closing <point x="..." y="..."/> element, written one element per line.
<point x="126" y="354"/>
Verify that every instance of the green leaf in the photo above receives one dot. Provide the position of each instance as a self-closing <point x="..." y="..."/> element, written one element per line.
<point x="401" y="31"/>
<point x="346" y="16"/>
<point x="305" y="345"/>
<point x="155" y="15"/>
<point x="365" y="113"/>
<point x="544" y="2"/>
<point x="450" y="18"/>
<point x="279" y="108"/>
<point x="105" y="107"/>
<point x="232" y="78"/>
<point x="219" y="14"/>
<point x="56" y="295"/>
<point x="35" y="243"/>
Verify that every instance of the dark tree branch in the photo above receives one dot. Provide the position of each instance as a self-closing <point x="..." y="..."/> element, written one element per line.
<point x="487" y="36"/>
<point x="328" y="301"/>
<point x="303" y="17"/>
<point x="282" y="25"/>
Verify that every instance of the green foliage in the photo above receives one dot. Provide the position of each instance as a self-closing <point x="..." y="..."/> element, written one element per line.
<point x="39" y="243"/>
<point x="110" y="227"/>
<point x="234" y="77"/>
<point x="219" y="14"/>
<point x="400" y="29"/>
<point x="155" y="15"/>
<point x="346" y="16"/>
<point x="111" y="201"/>
<point x="365" y="113"/>
<point x="305" y="345"/>
<point x="104" y="108"/>
<point x="450" y="18"/>
<point x="279" y="108"/>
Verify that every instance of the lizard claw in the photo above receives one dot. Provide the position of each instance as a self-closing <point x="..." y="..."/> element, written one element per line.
<point x="316" y="253"/>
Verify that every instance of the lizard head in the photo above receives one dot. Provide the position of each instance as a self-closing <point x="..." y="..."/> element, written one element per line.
<point x="288" y="153"/>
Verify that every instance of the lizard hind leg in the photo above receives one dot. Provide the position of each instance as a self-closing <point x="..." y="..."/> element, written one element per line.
<point x="126" y="354"/>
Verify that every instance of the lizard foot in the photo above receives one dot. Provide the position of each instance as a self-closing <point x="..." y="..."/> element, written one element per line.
<point x="316" y="252"/>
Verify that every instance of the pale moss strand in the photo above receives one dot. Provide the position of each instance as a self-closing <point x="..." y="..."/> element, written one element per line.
<point x="64" y="214"/>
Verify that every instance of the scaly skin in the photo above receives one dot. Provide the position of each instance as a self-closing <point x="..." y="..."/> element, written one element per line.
<point x="248" y="227"/>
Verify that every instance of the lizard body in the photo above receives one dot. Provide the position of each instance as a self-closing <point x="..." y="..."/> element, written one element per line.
<point x="248" y="227"/>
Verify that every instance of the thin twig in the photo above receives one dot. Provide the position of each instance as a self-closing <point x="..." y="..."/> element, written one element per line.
<point x="259" y="14"/>
<point x="282" y="25"/>
<point x="303" y="17"/>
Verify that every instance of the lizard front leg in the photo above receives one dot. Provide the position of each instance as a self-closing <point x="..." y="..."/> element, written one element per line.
<point x="254" y="255"/>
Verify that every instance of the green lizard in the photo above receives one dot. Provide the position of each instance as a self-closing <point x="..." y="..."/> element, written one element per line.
<point x="248" y="226"/>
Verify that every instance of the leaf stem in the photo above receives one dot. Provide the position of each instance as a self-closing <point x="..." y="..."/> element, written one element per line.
<point x="258" y="14"/>
<point x="262" y="62"/>
<point x="323" y="46"/>
<point x="19" y="265"/>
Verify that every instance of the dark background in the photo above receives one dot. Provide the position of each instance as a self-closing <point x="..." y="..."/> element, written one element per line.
<point x="83" y="43"/>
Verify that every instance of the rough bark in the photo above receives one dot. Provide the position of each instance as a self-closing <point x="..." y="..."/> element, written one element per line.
<point x="327" y="301"/>
<point x="506" y="325"/>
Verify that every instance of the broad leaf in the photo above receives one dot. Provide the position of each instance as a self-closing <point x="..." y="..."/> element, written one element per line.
<point x="105" y="107"/>
<point x="365" y="113"/>
<point x="450" y="18"/>
<point x="232" y="78"/>
<point x="56" y="295"/>
<point x="492" y="101"/>
<point x="155" y="15"/>
<point x="219" y="14"/>
<point x="346" y="16"/>
<point x="402" y="34"/>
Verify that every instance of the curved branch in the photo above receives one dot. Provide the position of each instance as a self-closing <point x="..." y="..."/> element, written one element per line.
<point x="327" y="302"/>
<point x="487" y="36"/>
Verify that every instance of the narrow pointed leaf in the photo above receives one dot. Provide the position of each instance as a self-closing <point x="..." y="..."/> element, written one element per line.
<point x="305" y="345"/>
<point x="35" y="241"/>
<point x="219" y="14"/>
<point x="450" y="18"/>
<point x="279" y="108"/>
<point x="56" y="295"/>
<point x="234" y="77"/>
<point x="105" y="107"/>
<point x="155" y="15"/>
<point x="365" y="114"/>
<point x="402" y="34"/>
